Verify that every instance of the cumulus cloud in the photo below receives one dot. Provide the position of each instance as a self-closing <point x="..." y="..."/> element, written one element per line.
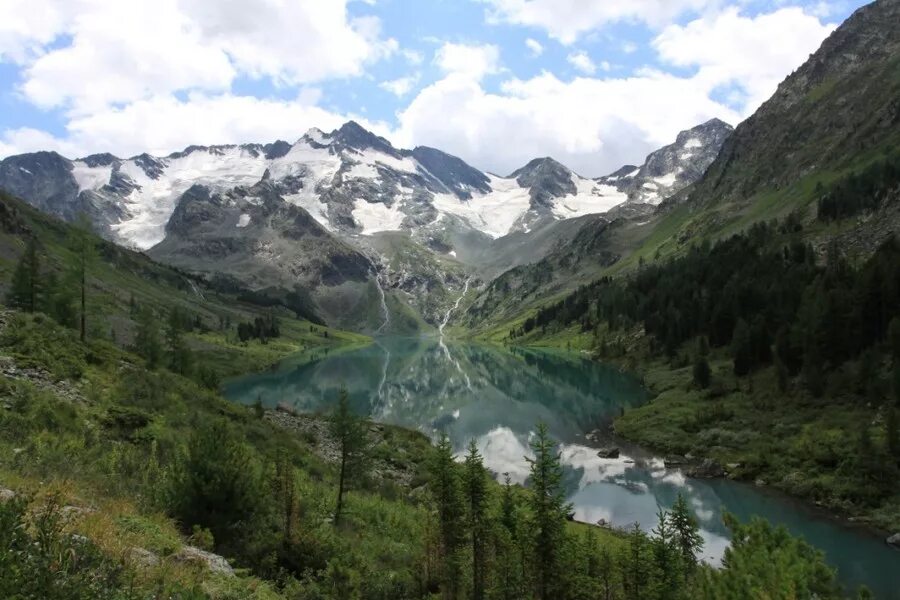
<point x="468" y="60"/>
<point x="163" y="124"/>
<point x="566" y="20"/>
<point x="118" y="52"/>
<point x="595" y="125"/>
<point x="581" y="61"/>
<point x="400" y="86"/>
<point x="752" y="53"/>
<point x="592" y="125"/>
<point x="534" y="47"/>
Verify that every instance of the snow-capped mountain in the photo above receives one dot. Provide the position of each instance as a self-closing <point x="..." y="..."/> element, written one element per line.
<point x="349" y="180"/>
<point x="342" y="216"/>
<point x="672" y="168"/>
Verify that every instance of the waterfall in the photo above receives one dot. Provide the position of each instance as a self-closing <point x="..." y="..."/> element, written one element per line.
<point x="453" y="308"/>
<point x="384" y="307"/>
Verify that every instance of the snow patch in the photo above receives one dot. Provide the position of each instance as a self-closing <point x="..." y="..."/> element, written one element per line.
<point x="24" y="170"/>
<point x="590" y="198"/>
<point x="693" y="143"/>
<point x="494" y="213"/>
<point x="374" y="217"/>
<point x="90" y="178"/>
<point x="667" y="180"/>
<point x="243" y="220"/>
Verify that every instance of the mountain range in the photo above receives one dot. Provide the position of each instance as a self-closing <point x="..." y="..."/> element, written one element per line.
<point x="375" y="237"/>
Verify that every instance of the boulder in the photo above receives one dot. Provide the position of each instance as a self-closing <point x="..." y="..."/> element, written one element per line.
<point x="673" y="462"/>
<point x="611" y="452"/>
<point x="142" y="557"/>
<point x="894" y="540"/>
<point x="6" y="495"/>
<point x="706" y="469"/>
<point x="215" y="563"/>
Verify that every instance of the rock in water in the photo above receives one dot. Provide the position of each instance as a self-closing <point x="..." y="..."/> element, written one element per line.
<point x="608" y="452"/>
<point x="894" y="540"/>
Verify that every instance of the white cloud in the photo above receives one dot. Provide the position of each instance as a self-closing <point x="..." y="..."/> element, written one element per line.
<point x="400" y="86"/>
<point x="581" y="61"/>
<point x="117" y="52"/>
<point x="566" y="20"/>
<point x="413" y="57"/>
<point x="753" y="53"/>
<point x="163" y="124"/>
<point x="534" y="47"/>
<point x="591" y="125"/>
<point x="472" y="61"/>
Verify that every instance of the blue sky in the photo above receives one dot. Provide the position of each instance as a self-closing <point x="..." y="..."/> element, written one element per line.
<point x="594" y="83"/>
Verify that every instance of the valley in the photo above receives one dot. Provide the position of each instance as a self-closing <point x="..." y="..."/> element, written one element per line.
<point x="338" y="368"/>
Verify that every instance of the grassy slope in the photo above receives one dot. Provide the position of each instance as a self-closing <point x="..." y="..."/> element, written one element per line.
<point x="72" y="448"/>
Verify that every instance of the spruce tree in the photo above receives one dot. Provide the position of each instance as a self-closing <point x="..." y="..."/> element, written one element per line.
<point x="84" y="249"/>
<point x="146" y="340"/>
<point x="23" y="291"/>
<point x="350" y="431"/>
<point x="181" y="360"/>
<point x="666" y="555"/>
<point x="448" y="498"/>
<point x="742" y="348"/>
<point x="475" y="485"/>
<point x="702" y="373"/>
<point x="549" y="511"/>
<point x="686" y="532"/>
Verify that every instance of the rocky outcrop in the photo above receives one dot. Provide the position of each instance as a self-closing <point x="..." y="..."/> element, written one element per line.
<point x="893" y="540"/>
<point x="674" y="167"/>
<point x="611" y="452"/>
<point x="216" y="564"/>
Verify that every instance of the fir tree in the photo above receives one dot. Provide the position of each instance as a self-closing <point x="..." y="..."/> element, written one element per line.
<point x="24" y="289"/>
<point x="84" y="248"/>
<point x="146" y="340"/>
<point x="702" y="373"/>
<point x="549" y="511"/>
<point x="181" y="359"/>
<point x="685" y="532"/>
<point x="475" y="486"/>
<point x="351" y="434"/>
<point x="448" y="497"/>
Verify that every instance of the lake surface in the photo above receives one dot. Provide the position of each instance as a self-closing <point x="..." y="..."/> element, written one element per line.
<point x="497" y="395"/>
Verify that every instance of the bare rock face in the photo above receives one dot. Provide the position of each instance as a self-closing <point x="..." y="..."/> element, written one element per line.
<point x="674" y="167"/>
<point x="213" y="562"/>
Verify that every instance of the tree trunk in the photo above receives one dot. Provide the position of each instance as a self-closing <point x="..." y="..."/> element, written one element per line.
<point x="340" y="496"/>
<point x="83" y="302"/>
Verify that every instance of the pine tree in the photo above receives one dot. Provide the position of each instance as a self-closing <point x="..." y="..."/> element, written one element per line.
<point x="181" y="360"/>
<point x="549" y="511"/>
<point x="475" y="485"/>
<point x="351" y="434"/>
<point x="146" y="340"/>
<point x="510" y="566"/>
<point x="23" y="292"/>
<point x="84" y="248"/>
<point x="742" y="348"/>
<point x="686" y="533"/>
<point x="448" y="497"/>
<point x="666" y="555"/>
<point x="636" y="572"/>
<point x="892" y="434"/>
<point x="702" y="373"/>
<point x="286" y="493"/>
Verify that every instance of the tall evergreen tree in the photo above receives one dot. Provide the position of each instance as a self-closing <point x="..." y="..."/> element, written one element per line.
<point x="448" y="497"/>
<point x="475" y="486"/>
<point x="549" y="511"/>
<point x="24" y="289"/>
<point x="146" y="340"/>
<point x="181" y="359"/>
<point x="350" y="431"/>
<point x="84" y="250"/>
<point x="685" y="532"/>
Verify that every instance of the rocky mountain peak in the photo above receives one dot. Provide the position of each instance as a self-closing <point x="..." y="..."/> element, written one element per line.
<point x="671" y="168"/>
<point x="352" y="135"/>
<point x="547" y="179"/>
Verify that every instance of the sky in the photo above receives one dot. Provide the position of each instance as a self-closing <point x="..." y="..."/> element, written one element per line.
<point x="593" y="83"/>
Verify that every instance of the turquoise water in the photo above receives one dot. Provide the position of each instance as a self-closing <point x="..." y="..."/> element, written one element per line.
<point x="496" y="395"/>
